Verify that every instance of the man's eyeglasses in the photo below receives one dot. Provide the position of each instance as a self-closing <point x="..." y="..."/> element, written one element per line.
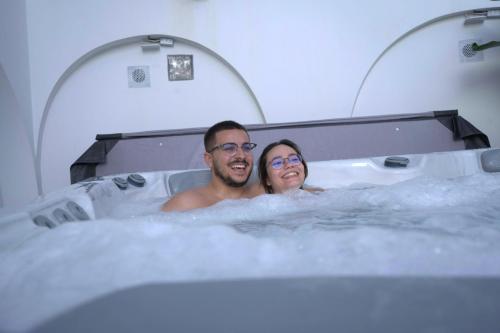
<point x="231" y="148"/>
<point x="292" y="159"/>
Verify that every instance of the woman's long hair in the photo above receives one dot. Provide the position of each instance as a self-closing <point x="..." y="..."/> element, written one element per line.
<point x="263" y="161"/>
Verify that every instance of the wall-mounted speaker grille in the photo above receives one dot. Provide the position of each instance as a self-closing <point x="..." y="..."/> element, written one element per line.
<point x="138" y="77"/>
<point x="467" y="54"/>
<point x="467" y="51"/>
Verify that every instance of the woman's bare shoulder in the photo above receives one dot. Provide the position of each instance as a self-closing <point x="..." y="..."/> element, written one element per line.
<point x="313" y="189"/>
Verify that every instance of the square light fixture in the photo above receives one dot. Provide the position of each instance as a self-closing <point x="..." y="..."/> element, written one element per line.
<point x="180" y="67"/>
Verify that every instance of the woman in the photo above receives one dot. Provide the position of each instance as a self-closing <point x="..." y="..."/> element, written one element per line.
<point x="282" y="167"/>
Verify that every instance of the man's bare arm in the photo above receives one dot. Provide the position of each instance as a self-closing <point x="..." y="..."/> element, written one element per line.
<point x="175" y="203"/>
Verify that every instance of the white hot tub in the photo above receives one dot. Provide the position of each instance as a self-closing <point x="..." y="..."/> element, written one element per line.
<point x="423" y="228"/>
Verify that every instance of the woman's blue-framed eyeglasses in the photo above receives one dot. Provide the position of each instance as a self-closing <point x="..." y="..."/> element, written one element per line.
<point x="292" y="159"/>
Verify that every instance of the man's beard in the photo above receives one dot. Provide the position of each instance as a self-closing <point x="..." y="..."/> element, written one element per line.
<point x="227" y="179"/>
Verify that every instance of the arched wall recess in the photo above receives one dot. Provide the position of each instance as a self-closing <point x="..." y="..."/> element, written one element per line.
<point x="404" y="36"/>
<point x="89" y="59"/>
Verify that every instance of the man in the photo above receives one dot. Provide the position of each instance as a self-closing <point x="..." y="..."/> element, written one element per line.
<point x="228" y="154"/>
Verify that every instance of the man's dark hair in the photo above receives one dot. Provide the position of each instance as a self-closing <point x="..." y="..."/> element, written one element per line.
<point x="209" y="139"/>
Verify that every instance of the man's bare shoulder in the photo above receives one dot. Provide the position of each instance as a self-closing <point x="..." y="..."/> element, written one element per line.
<point x="191" y="199"/>
<point x="253" y="190"/>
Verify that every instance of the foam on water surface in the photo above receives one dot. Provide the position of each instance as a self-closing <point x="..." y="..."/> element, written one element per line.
<point x="420" y="227"/>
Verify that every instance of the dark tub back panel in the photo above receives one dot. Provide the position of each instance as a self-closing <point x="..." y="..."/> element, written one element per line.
<point x="319" y="140"/>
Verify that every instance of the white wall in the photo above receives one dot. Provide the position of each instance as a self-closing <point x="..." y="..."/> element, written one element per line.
<point x="96" y="99"/>
<point x="17" y="169"/>
<point x="302" y="60"/>
<point x="14" y="56"/>
<point x="17" y="176"/>
<point x="425" y="71"/>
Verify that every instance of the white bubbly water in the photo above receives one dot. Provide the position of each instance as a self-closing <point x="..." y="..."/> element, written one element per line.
<point x="420" y="227"/>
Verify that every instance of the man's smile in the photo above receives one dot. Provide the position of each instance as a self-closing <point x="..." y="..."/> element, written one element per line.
<point x="238" y="165"/>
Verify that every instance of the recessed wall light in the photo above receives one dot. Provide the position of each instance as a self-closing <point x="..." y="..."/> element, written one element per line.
<point x="180" y="67"/>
